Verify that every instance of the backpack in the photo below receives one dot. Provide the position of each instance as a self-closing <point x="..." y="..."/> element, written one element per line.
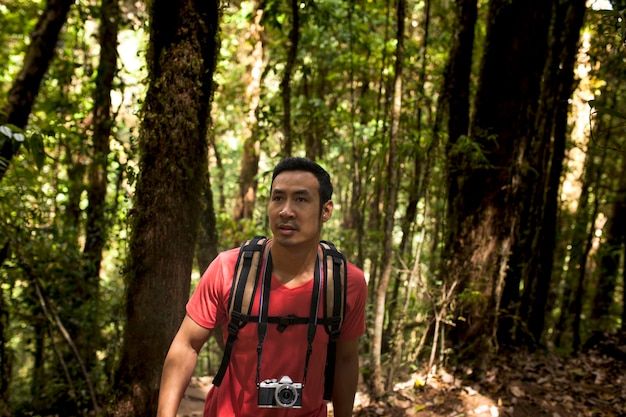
<point x="248" y="269"/>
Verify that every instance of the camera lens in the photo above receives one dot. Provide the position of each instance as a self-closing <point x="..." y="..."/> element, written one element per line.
<point x="286" y="396"/>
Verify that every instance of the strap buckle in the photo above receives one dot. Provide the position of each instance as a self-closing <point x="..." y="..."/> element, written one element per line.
<point x="283" y="322"/>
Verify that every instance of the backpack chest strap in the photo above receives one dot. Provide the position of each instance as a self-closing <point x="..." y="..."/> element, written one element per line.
<point x="311" y="321"/>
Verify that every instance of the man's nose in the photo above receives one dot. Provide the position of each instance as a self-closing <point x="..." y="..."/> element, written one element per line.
<point x="286" y="210"/>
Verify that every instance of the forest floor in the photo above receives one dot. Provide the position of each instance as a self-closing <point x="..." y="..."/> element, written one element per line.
<point x="590" y="384"/>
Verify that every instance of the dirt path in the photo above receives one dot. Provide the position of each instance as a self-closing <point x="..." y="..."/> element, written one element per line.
<point x="193" y="401"/>
<point x="520" y="384"/>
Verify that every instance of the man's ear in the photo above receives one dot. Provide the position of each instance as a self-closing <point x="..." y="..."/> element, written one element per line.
<point x="327" y="210"/>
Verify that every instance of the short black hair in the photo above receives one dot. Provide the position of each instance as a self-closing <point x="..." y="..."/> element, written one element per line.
<point x="304" y="164"/>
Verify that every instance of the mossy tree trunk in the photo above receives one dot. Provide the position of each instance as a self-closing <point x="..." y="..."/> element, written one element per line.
<point x="168" y="200"/>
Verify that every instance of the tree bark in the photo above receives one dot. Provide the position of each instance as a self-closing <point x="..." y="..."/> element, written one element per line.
<point x="207" y="234"/>
<point x="484" y="185"/>
<point x="551" y="125"/>
<point x="167" y="205"/>
<point x="456" y="92"/>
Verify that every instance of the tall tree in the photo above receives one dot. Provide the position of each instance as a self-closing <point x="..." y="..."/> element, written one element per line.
<point x="96" y="229"/>
<point x="207" y="234"/>
<point x="285" y="83"/>
<point x="455" y="103"/>
<point x="581" y="240"/>
<point x="40" y="52"/>
<point x="546" y="156"/>
<point x="390" y="206"/>
<point x="244" y="205"/>
<point x="456" y="89"/>
<point x="614" y="238"/>
<point x="5" y="365"/>
<point x="485" y="178"/>
<point x="167" y="205"/>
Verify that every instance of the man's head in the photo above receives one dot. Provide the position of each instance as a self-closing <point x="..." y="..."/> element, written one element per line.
<point x="303" y="164"/>
<point x="300" y="202"/>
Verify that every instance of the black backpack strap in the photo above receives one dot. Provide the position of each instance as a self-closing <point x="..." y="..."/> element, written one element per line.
<point x="335" y="288"/>
<point x="264" y="319"/>
<point x="242" y="294"/>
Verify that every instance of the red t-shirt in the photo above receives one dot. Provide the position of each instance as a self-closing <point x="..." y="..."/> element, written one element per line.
<point x="283" y="353"/>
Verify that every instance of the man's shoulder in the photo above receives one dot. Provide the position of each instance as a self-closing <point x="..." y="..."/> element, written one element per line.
<point x="229" y="254"/>
<point x="355" y="274"/>
<point x="353" y="269"/>
<point x="226" y="260"/>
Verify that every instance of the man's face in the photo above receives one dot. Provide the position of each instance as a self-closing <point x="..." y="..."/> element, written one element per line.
<point x="294" y="209"/>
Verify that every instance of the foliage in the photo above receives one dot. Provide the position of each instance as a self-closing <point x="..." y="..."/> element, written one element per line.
<point x="341" y="100"/>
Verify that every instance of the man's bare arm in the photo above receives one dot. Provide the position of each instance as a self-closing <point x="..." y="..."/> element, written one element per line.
<point x="346" y="377"/>
<point x="179" y="365"/>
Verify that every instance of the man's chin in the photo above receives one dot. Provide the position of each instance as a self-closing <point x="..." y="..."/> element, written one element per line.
<point x="287" y="240"/>
<point x="284" y="240"/>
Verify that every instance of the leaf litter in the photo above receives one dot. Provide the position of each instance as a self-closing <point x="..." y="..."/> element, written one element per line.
<point x="591" y="383"/>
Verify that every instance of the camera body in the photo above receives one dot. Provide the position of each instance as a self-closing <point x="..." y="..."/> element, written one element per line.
<point x="283" y="393"/>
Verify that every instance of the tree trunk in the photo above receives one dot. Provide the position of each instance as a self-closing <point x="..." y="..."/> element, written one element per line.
<point x="547" y="152"/>
<point x="417" y="191"/>
<point x="354" y="219"/>
<point x="96" y="228"/>
<point x="576" y="307"/>
<point x="207" y="233"/>
<point x="167" y="206"/>
<point x="43" y="42"/>
<point x="613" y="240"/>
<point x="582" y="227"/>
<point x="456" y="92"/>
<point x="285" y="84"/>
<point x="624" y="296"/>
<point x="456" y="99"/>
<point x="593" y="173"/>
<point x="5" y="362"/>
<point x="244" y="205"/>
<point x="484" y="186"/>
<point x="314" y="86"/>
<point x="390" y="209"/>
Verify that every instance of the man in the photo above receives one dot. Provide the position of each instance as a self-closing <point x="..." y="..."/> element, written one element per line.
<point x="300" y="202"/>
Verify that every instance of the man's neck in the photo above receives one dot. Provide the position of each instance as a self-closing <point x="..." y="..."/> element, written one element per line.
<point x="293" y="266"/>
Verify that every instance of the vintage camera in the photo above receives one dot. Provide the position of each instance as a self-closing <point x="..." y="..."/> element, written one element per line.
<point x="280" y="394"/>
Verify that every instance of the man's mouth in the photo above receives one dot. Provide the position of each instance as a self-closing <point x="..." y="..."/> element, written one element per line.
<point x="286" y="227"/>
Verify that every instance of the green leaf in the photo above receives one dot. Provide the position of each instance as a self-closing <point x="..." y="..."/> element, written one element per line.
<point x="37" y="149"/>
<point x="607" y="110"/>
<point x="5" y="131"/>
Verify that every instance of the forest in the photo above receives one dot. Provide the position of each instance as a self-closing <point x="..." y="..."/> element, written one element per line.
<point x="477" y="150"/>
